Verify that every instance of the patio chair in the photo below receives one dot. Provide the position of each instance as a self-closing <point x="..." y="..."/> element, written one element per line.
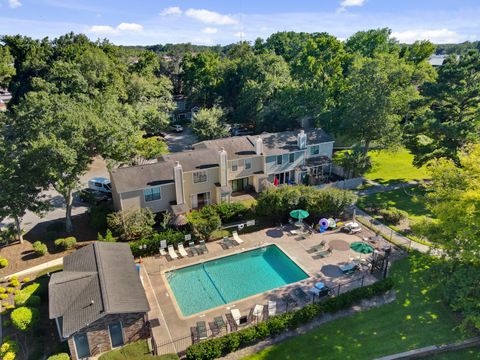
<point x="301" y="295"/>
<point x="171" y="252"/>
<point x="193" y="249"/>
<point x="202" y="330"/>
<point x="219" y="323"/>
<point x="227" y="243"/>
<point x="237" y="238"/>
<point x="181" y="250"/>
<point x="272" y="308"/>
<point x="319" y="246"/>
<point x="236" y="315"/>
<point x="202" y="246"/>
<point x="163" y="246"/>
<point x="324" y="253"/>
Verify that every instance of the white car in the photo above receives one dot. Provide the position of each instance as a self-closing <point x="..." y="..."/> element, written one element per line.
<point x="352" y="227"/>
<point x="177" y="128"/>
<point x="100" y="184"/>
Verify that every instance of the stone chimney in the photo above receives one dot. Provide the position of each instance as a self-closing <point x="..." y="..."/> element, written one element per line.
<point x="178" y="178"/>
<point x="223" y="167"/>
<point x="302" y="140"/>
<point x="258" y="146"/>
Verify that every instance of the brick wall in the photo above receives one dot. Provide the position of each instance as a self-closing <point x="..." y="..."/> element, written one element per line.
<point x="133" y="325"/>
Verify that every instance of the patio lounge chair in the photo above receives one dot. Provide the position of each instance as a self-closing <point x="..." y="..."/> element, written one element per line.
<point x="192" y="248"/>
<point x="236" y="315"/>
<point x="202" y="330"/>
<point x="301" y="295"/>
<point x="237" y="238"/>
<point x="272" y="308"/>
<point x="227" y="243"/>
<point x="171" y="252"/>
<point x="219" y="323"/>
<point x="181" y="250"/>
<point x="163" y="246"/>
<point x="202" y="246"/>
<point x="324" y="253"/>
<point x="319" y="246"/>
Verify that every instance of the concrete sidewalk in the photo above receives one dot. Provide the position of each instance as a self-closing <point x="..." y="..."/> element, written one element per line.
<point x="37" y="268"/>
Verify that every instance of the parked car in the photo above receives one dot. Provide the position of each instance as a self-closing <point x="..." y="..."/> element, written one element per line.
<point x="100" y="184"/>
<point x="352" y="227"/>
<point x="93" y="197"/>
<point x="177" y="128"/>
<point x="150" y="134"/>
<point x="241" y="132"/>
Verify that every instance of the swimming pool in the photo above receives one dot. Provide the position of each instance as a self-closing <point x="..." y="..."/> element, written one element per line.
<point x="217" y="282"/>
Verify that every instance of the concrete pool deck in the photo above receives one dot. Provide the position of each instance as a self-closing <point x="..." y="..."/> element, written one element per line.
<point x="169" y="325"/>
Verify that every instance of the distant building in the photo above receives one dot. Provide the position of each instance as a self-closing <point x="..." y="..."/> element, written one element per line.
<point x="98" y="300"/>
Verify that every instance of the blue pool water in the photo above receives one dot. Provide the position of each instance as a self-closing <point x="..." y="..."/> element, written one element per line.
<point x="204" y="286"/>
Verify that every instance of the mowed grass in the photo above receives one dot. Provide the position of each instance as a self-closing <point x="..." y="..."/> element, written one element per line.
<point x="417" y="318"/>
<point x="135" y="351"/>
<point x="407" y="199"/>
<point x="394" y="167"/>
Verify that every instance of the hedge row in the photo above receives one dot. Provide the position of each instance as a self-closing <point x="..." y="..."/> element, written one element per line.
<point x="218" y="347"/>
<point x="27" y="296"/>
<point x="153" y="243"/>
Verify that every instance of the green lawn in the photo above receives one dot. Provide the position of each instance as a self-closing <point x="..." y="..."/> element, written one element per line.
<point x="403" y="199"/>
<point x="467" y="354"/>
<point x="393" y="167"/>
<point x="135" y="351"/>
<point x="417" y="318"/>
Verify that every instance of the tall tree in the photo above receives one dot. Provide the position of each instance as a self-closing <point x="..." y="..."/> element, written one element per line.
<point x="376" y="98"/>
<point x="371" y="42"/>
<point x="6" y="66"/>
<point x="208" y="124"/>
<point x="452" y="116"/>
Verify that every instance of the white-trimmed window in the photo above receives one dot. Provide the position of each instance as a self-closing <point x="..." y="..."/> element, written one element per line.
<point x="81" y="345"/>
<point x="234" y="166"/>
<point x="279" y="159"/>
<point x="152" y="194"/>
<point x="199" y="177"/>
<point x="248" y="164"/>
<point x="116" y="334"/>
<point x="291" y="157"/>
<point x="315" y="150"/>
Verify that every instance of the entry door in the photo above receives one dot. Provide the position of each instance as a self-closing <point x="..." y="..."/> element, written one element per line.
<point x="116" y="335"/>
<point x="81" y="344"/>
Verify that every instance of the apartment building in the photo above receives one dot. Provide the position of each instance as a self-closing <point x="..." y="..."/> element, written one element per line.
<point x="215" y="169"/>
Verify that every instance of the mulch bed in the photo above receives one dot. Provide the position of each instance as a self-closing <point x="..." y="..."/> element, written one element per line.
<point x="22" y="256"/>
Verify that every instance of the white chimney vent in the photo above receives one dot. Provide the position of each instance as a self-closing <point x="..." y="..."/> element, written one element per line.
<point x="258" y="146"/>
<point x="178" y="178"/>
<point x="302" y="140"/>
<point x="223" y="167"/>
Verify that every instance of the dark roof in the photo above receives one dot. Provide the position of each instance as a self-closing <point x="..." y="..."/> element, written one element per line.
<point x="97" y="280"/>
<point x="195" y="160"/>
<point x="139" y="177"/>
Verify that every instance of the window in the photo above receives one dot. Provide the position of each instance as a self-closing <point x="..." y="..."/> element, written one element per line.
<point x="291" y="157"/>
<point x="199" y="177"/>
<point x="279" y="160"/>
<point x="315" y="150"/>
<point x="152" y="194"/>
<point x="116" y="335"/>
<point x="248" y="164"/>
<point x="81" y="344"/>
<point x="234" y="165"/>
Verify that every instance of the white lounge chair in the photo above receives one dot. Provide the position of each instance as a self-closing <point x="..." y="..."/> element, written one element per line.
<point x="272" y="308"/>
<point x="236" y="315"/>
<point x="163" y="246"/>
<point x="171" y="252"/>
<point x="237" y="238"/>
<point x="182" y="251"/>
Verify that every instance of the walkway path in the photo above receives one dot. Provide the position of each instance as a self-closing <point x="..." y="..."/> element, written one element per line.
<point x="36" y="269"/>
<point x="377" y="187"/>
<point x="391" y="234"/>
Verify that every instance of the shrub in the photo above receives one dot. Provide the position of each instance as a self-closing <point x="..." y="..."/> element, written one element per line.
<point x="8" y="345"/>
<point x="2" y="290"/>
<point x="10" y="290"/>
<point x="132" y="224"/>
<point x="66" y="243"/>
<point x="393" y="215"/>
<point x="13" y="281"/>
<point x="3" y="296"/>
<point x="40" y="248"/>
<point x="205" y="221"/>
<point x="23" y="297"/>
<point x="231" y="211"/>
<point x="153" y="243"/>
<point x="217" y="347"/>
<point x="61" y="356"/>
<point x="108" y="237"/>
<point x="26" y="279"/>
<point x="3" y="263"/>
<point x="24" y="318"/>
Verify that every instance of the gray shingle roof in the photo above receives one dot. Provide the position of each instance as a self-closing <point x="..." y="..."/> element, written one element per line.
<point x="236" y="147"/>
<point x="196" y="159"/>
<point x="139" y="177"/>
<point x="97" y="280"/>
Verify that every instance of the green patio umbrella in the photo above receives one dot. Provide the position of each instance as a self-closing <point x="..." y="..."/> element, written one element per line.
<point x="299" y="214"/>
<point x="361" y="247"/>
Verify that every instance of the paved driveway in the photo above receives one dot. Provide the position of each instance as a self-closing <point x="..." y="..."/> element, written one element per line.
<point x="181" y="141"/>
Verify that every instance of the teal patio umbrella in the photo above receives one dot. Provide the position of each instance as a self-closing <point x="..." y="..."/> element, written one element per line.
<point x="299" y="214"/>
<point x="361" y="247"/>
